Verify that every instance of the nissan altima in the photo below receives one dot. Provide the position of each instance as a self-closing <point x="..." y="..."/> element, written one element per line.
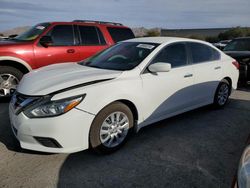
<point x="97" y="103"/>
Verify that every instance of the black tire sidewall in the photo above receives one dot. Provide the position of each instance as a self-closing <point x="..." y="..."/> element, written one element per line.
<point x="94" y="135"/>
<point x="11" y="70"/>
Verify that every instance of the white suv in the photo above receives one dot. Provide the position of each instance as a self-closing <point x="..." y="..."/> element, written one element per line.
<point x="70" y="107"/>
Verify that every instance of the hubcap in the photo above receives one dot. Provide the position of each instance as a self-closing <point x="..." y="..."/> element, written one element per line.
<point x="8" y="84"/>
<point x="114" y="129"/>
<point x="223" y="94"/>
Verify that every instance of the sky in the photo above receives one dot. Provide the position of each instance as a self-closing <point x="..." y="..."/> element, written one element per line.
<point x="171" y="14"/>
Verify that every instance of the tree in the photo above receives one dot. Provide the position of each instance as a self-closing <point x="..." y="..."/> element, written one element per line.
<point x="153" y="33"/>
<point x="234" y="33"/>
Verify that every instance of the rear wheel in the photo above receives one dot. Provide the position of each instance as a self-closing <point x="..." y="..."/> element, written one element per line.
<point x="111" y="128"/>
<point x="9" y="79"/>
<point x="222" y="94"/>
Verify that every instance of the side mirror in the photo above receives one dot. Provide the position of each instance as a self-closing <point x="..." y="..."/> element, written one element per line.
<point x="160" y="67"/>
<point x="46" y="41"/>
<point x="13" y="36"/>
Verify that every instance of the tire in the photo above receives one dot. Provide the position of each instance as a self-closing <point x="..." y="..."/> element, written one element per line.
<point x="102" y="128"/>
<point x="222" y="94"/>
<point x="7" y="89"/>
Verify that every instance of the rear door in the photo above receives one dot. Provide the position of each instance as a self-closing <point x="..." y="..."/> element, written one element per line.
<point x="207" y="71"/>
<point x="91" y="41"/>
<point x="62" y="50"/>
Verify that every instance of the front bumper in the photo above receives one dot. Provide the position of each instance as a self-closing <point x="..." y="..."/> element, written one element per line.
<point x="67" y="133"/>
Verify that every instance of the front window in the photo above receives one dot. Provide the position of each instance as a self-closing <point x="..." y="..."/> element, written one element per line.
<point x="175" y="54"/>
<point x="33" y="32"/>
<point x="62" y="35"/>
<point x="238" y="45"/>
<point x="122" y="56"/>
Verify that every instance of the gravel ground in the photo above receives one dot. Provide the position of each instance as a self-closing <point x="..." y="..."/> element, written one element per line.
<point x="200" y="148"/>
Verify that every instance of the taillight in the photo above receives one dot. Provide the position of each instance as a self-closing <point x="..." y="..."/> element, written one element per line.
<point x="236" y="64"/>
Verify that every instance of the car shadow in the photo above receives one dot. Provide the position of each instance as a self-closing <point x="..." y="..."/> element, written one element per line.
<point x="200" y="148"/>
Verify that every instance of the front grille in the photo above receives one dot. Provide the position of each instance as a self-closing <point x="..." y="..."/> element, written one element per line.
<point x="48" y="142"/>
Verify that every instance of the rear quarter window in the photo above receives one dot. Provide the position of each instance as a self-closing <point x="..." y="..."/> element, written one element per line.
<point x="120" y="34"/>
<point x="202" y="53"/>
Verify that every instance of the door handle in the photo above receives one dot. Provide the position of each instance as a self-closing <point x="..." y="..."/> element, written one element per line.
<point x="188" y="75"/>
<point x="216" y="68"/>
<point x="70" y="51"/>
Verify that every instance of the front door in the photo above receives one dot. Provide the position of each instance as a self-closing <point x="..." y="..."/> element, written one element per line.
<point x="62" y="50"/>
<point x="168" y="92"/>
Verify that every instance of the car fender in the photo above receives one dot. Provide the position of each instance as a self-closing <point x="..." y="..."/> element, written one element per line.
<point x="100" y="95"/>
<point x="18" y="60"/>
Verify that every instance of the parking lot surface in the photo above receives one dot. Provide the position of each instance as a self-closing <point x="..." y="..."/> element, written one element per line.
<point x="200" y="148"/>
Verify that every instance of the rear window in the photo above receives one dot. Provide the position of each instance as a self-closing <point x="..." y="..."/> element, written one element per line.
<point x="91" y="35"/>
<point x="120" y="34"/>
<point x="203" y="53"/>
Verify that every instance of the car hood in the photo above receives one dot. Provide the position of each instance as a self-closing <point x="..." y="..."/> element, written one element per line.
<point x="9" y="42"/>
<point x="58" y="77"/>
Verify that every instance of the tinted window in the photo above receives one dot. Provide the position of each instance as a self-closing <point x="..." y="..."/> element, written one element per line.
<point x="101" y="38"/>
<point x="203" y="53"/>
<point x="174" y="54"/>
<point x="238" y="45"/>
<point x="91" y="35"/>
<point x="120" y="34"/>
<point x="62" y="35"/>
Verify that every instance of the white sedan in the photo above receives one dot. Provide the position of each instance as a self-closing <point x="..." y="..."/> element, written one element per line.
<point x="97" y="103"/>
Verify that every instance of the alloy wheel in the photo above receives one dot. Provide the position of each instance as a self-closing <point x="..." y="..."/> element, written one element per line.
<point x="8" y="84"/>
<point x="114" y="129"/>
<point x="223" y="94"/>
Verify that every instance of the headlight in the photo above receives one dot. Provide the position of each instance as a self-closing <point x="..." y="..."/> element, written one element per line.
<point x="244" y="169"/>
<point x="48" y="108"/>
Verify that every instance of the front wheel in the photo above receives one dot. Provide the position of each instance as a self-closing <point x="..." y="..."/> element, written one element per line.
<point x="222" y="94"/>
<point x="111" y="128"/>
<point x="9" y="79"/>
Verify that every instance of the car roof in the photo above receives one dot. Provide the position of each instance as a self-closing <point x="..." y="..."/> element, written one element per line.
<point x="161" y="40"/>
<point x="244" y="38"/>
<point x="90" y="22"/>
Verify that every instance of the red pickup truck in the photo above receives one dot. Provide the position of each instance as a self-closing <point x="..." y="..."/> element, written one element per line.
<point x="54" y="42"/>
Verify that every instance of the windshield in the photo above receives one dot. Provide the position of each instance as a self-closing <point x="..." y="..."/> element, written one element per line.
<point x="122" y="56"/>
<point x="238" y="45"/>
<point x="33" y="32"/>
